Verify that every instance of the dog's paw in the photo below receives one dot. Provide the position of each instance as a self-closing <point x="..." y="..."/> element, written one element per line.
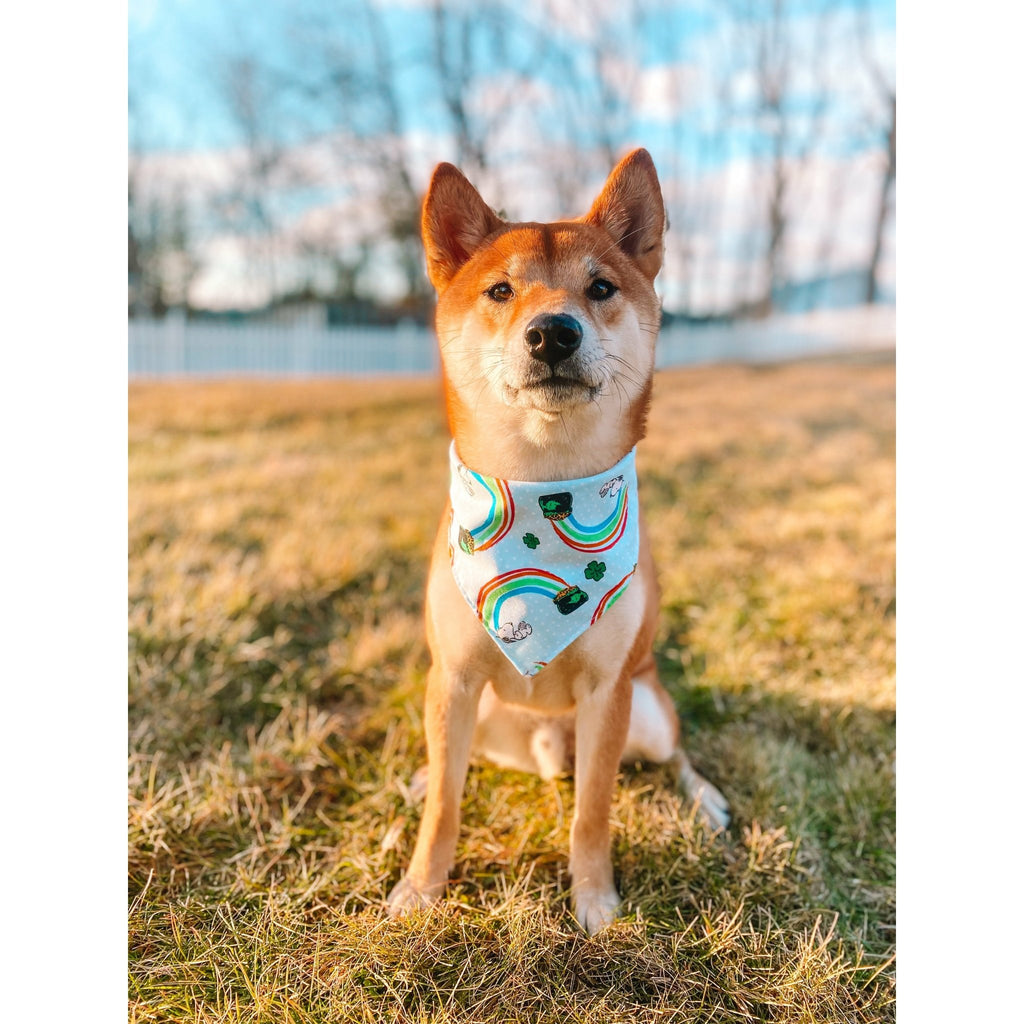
<point x="407" y="897"/>
<point x="712" y="807"/>
<point x="417" y="788"/>
<point x="595" y="908"/>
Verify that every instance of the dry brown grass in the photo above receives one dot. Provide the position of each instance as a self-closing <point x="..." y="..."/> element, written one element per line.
<point x="278" y="540"/>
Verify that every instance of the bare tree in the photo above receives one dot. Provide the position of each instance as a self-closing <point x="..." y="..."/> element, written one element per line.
<point x="786" y="119"/>
<point x="249" y="90"/>
<point x="886" y="92"/>
<point x="147" y="291"/>
<point x="354" y="134"/>
<point x="719" y="59"/>
<point x="456" y="62"/>
<point x="163" y="262"/>
<point x="484" y="60"/>
<point x="350" y="75"/>
<point x="597" y="83"/>
<point x="163" y="259"/>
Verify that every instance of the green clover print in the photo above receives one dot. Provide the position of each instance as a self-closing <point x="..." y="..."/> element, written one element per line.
<point x="530" y="541"/>
<point x="595" y="571"/>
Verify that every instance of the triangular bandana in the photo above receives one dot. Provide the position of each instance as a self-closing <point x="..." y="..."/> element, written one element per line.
<point x="540" y="562"/>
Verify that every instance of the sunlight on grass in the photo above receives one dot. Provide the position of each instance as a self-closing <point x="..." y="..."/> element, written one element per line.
<point x="279" y="533"/>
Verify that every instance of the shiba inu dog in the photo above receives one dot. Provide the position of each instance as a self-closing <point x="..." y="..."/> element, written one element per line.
<point x="542" y="598"/>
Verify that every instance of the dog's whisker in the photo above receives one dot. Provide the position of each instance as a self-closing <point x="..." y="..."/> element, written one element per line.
<point x="623" y="397"/>
<point x="623" y="362"/>
<point x="630" y="374"/>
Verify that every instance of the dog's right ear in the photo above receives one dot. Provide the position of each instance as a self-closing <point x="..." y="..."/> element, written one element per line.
<point x="455" y="222"/>
<point x="630" y="208"/>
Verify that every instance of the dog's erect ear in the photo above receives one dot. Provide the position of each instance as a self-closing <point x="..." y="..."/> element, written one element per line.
<point x="631" y="210"/>
<point x="455" y="222"/>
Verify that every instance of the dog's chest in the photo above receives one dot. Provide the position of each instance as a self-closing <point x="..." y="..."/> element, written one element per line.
<point x="552" y="690"/>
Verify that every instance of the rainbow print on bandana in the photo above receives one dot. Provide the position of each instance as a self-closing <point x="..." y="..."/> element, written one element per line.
<point x="590" y="539"/>
<point x="612" y="596"/>
<point x="518" y="582"/>
<point x="499" y="518"/>
<point x="526" y="587"/>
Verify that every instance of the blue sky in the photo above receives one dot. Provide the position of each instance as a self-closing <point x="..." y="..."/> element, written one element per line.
<point x="177" y="50"/>
<point x="709" y="157"/>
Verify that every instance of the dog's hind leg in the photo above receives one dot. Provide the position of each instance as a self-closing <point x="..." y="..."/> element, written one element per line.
<point x="654" y="736"/>
<point x="712" y="807"/>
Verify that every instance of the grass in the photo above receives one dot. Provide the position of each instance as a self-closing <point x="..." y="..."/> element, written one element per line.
<point x="278" y="541"/>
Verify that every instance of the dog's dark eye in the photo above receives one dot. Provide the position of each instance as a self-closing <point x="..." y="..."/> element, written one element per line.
<point x="500" y="292"/>
<point x="601" y="289"/>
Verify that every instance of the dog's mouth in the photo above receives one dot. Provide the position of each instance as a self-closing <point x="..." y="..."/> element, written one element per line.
<point x="558" y="383"/>
<point x="554" y="391"/>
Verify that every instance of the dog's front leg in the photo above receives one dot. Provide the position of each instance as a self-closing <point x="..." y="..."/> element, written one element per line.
<point x="602" y="723"/>
<point x="450" y="717"/>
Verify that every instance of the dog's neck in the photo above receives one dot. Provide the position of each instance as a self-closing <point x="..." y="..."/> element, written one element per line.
<point x="513" y="444"/>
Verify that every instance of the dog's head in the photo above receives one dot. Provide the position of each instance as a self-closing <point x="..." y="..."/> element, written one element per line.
<point x="548" y="323"/>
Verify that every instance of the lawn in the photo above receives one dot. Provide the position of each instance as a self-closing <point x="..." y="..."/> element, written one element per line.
<point x="279" y="533"/>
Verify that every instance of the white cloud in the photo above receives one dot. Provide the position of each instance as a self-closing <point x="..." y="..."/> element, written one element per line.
<point x="713" y="253"/>
<point x="663" y="92"/>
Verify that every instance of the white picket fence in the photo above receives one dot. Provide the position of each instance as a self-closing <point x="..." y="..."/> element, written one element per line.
<point x="781" y="337"/>
<point x="174" y="347"/>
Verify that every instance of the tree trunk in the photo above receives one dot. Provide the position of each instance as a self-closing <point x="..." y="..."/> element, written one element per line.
<point x="882" y="212"/>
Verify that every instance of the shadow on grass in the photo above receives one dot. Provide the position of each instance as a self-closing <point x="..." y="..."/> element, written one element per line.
<point x="191" y="692"/>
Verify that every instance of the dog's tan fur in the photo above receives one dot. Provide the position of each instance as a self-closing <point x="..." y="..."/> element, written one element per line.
<point x="600" y="699"/>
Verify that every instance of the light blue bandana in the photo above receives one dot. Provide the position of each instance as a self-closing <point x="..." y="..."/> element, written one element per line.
<point x="540" y="562"/>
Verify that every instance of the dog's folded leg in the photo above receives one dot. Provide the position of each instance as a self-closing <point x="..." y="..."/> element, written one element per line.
<point x="602" y="721"/>
<point x="712" y="807"/>
<point x="450" y="716"/>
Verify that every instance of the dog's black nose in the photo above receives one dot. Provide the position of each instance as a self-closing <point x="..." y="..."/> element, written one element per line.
<point x="552" y="337"/>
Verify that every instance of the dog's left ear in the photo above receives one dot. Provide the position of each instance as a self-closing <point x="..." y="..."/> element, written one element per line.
<point x="631" y="210"/>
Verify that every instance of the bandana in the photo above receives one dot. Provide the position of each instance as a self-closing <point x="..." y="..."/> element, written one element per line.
<point x="541" y="562"/>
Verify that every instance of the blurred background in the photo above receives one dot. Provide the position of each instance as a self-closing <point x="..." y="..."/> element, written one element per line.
<point x="278" y="152"/>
